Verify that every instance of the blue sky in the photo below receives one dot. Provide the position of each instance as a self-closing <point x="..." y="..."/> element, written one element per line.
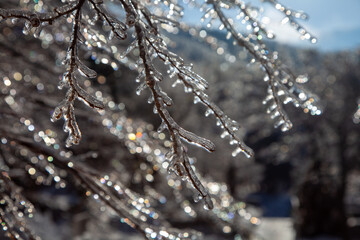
<point x="336" y="23"/>
<point x="329" y="15"/>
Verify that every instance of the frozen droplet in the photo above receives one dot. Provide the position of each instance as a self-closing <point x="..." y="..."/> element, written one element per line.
<point x="196" y="100"/>
<point x="271" y="108"/>
<point x="111" y="35"/>
<point x="236" y="152"/>
<point x="198" y="198"/>
<point x="62" y="84"/>
<point x="209" y="112"/>
<point x="187" y="89"/>
<point x="228" y="35"/>
<point x="140" y="88"/>
<point x="150" y="99"/>
<point x="167" y="100"/>
<point x="56" y="114"/>
<point x="246" y="153"/>
<point x="155" y="110"/>
<point x="14" y="20"/>
<point x="224" y="134"/>
<point x="280" y="92"/>
<point x="27" y="28"/>
<point x="162" y="127"/>
<point x="287" y="100"/>
<point x="279" y="123"/>
<point x="233" y="141"/>
<point x="208" y="203"/>
<point x="275" y="114"/>
<point x="286" y="126"/>
<point x="37" y="32"/>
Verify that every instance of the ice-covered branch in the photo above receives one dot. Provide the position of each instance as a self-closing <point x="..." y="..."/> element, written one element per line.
<point x="66" y="109"/>
<point x="178" y="159"/>
<point x="291" y="17"/>
<point x="36" y="19"/>
<point x="13" y="209"/>
<point x="283" y="86"/>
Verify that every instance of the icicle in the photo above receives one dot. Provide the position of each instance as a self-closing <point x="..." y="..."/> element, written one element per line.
<point x="196" y="140"/>
<point x="57" y="114"/>
<point x="268" y="98"/>
<point x="162" y="127"/>
<point x="187" y="89"/>
<point x="275" y="114"/>
<point x="196" y="100"/>
<point x="27" y="28"/>
<point x="88" y="99"/>
<point x="84" y="70"/>
<point x="172" y="73"/>
<point x="37" y="32"/>
<point x="228" y="35"/>
<point x="14" y="20"/>
<point x="150" y="99"/>
<point x="287" y="100"/>
<point x="111" y="35"/>
<point x="131" y="47"/>
<point x="178" y="81"/>
<point x="198" y="198"/>
<point x="209" y="112"/>
<point x="155" y="111"/>
<point x="140" y="76"/>
<point x="224" y="134"/>
<point x="271" y="108"/>
<point x="140" y="88"/>
<point x="236" y="152"/>
<point x="280" y="93"/>
<point x="240" y="150"/>
<point x="166" y="99"/>
<point x="64" y="81"/>
<point x="286" y="126"/>
<point x="208" y="203"/>
<point x="279" y="123"/>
